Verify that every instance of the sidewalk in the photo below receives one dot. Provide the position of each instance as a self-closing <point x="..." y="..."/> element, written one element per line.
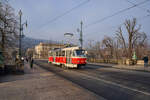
<point x="127" y="67"/>
<point x="39" y="84"/>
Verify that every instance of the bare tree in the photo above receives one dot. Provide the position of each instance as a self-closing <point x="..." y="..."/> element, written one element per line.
<point x="121" y="41"/>
<point x="109" y="45"/>
<point x="8" y="26"/>
<point x="95" y="50"/>
<point x="98" y="50"/>
<point x="135" y="37"/>
<point x="128" y="39"/>
<point x="8" y="30"/>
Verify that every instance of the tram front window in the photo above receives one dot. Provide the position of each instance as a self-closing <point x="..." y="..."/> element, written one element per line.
<point x="79" y="53"/>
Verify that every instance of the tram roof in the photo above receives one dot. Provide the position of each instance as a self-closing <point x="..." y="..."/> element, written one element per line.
<point x="67" y="48"/>
<point x="71" y="48"/>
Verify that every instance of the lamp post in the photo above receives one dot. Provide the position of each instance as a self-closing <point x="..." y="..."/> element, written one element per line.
<point x="20" y="15"/>
<point x="81" y="36"/>
<point x="20" y="33"/>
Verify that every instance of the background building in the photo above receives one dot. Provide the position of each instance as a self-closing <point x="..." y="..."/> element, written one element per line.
<point x="41" y="50"/>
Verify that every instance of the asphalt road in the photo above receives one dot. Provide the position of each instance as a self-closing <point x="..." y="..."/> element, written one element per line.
<point x="108" y="82"/>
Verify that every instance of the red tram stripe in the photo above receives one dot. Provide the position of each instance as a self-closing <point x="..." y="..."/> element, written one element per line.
<point x="63" y="60"/>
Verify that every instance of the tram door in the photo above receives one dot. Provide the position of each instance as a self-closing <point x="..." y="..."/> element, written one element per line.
<point x="68" y="56"/>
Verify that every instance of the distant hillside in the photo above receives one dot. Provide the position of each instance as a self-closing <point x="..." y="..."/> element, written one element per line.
<point x="28" y="42"/>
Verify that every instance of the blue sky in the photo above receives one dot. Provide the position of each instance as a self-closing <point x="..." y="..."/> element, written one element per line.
<point x="39" y="13"/>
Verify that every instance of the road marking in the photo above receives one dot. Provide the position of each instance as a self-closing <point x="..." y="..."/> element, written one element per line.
<point x="113" y="83"/>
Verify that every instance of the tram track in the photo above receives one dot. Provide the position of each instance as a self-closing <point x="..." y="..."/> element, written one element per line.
<point x="96" y="82"/>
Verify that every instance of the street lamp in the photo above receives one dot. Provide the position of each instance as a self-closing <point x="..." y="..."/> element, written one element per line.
<point x="81" y="36"/>
<point x="21" y="30"/>
<point x="20" y="12"/>
<point x="25" y="23"/>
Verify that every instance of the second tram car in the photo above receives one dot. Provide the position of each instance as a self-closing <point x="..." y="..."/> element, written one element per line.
<point x="71" y="57"/>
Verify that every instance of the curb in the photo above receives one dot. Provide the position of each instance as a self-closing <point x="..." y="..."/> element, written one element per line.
<point x="133" y="69"/>
<point x="102" y="64"/>
<point x="123" y="68"/>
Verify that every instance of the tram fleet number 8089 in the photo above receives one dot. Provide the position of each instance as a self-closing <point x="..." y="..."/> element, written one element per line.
<point x="71" y="57"/>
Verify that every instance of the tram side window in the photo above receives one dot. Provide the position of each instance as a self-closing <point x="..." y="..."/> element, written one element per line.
<point x="63" y="53"/>
<point x="50" y="54"/>
<point x="54" y="53"/>
<point x="73" y="53"/>
<point x="57" y="54"/>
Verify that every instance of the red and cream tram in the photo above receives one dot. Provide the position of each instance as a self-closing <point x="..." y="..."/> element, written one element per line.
<point x="71" y="57"/>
